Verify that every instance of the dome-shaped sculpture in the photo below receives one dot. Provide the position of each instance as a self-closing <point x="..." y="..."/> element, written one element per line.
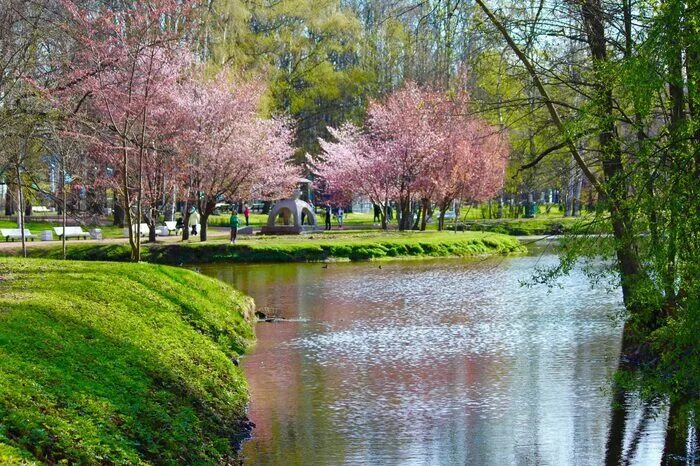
<point x="290" y="217"/>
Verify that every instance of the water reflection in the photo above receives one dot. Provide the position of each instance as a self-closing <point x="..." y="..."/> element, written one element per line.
<point x="442" y="362"/>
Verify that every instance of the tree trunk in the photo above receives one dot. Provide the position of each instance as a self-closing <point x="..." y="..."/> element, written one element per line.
<point x="64" y="207"/>
<point x="613" y="170"/>
<point x="20" y="210"/>
<point x="203" y="221"/>
<point x="186" y="225"/>
<point x="170" y="212"/>
<point x="576" y="201"/>
<point x="383" y="214"/>
<point x="9" y="201"/>
<point x="417" y="215"/>
<point x="152" y="229"/>
<point x="139" y="194"/>
<point x="573" y="192"/>
<point x="441" y="219"/>
<point x="406" y="220"/>
<point x="142" y="149"/>
<point x="127" y="203"/>
<point x="424" y="219"/>
<point x="118" y="213"/>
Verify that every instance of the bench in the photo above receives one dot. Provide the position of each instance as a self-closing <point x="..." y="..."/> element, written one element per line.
<point x="144" y="230"/>
<point x="172" y="227"/>
<point x="71" y="232"/>
<point x="16" y="233"/>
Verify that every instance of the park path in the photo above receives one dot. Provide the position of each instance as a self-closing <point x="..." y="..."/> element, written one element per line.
<point x="213" y="233"/>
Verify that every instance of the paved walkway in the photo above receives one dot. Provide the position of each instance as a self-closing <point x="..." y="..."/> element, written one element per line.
<point x="212" y="233"/>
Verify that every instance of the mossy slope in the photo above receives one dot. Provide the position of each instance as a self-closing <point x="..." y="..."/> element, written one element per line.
<point x="105" y="363"/>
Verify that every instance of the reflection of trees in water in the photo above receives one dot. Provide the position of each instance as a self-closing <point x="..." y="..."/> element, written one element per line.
<point x="681" y="446"/>
<point x="296" y="397"/>
<point x="634" y="420"/>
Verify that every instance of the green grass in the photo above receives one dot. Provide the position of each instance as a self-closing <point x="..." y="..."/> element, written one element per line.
<point x="256" y="220"/>
<point x="468" y="214"/>
<point x="545" y="222"/>
<point x="104" y="363"/>
<point x="336" y="245"/>
<point x="540" y="226"/>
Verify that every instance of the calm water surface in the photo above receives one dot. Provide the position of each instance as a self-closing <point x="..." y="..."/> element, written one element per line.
<point x="432" y="362"/>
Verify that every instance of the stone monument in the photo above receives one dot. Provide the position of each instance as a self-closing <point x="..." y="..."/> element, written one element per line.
<point x="291" y="217"/>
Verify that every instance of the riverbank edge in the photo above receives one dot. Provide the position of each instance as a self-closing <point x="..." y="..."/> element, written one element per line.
<point x="463" y="245"/>
<point x="130" y="363"/>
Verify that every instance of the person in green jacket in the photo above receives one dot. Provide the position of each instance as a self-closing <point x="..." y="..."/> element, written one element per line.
<point x="234" y="222"/>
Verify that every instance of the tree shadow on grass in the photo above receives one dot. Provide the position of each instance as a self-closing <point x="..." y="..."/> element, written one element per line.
<point x="71" y="391"/>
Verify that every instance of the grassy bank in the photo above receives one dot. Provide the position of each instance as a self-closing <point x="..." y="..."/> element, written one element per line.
<point x="363" y="245"/>
<point x="119" y="364"/>
<point x="540" y="226"/>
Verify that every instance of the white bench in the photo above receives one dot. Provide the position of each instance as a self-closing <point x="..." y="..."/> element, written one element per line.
<point x="172" y="227"/>
<point x="144" y="230"/>
<point x="71" y="232"/>
<point x="40" y="208"/>
<point x="16" y="233"/>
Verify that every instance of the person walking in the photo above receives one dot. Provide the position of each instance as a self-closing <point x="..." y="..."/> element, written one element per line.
<point x="377" y="213"/>
<point x="234" y="222"/>
<point x="340" y="217"/>
<point x="194" y="220"/>
<point x="329" y="212"/>
<point x="246" y="214"/>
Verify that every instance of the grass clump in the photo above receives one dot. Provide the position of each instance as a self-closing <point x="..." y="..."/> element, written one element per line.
<point x="107" y="363"/>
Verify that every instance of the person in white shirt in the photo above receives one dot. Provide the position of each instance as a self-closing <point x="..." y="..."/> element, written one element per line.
<point x="339" y="216"/>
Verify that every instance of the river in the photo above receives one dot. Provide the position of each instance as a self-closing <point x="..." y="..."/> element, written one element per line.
<point x="433" y="362"/>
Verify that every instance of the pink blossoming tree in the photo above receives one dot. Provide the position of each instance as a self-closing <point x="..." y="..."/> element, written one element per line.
<point x="418" y="145"/>
<point x="232" y="152"/>
<point x="122" y="69"/>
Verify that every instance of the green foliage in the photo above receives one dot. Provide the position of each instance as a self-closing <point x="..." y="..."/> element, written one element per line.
<point x="507" y="98"/>
<point x="311" y="47"/>
<point x="119" y="363"/>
